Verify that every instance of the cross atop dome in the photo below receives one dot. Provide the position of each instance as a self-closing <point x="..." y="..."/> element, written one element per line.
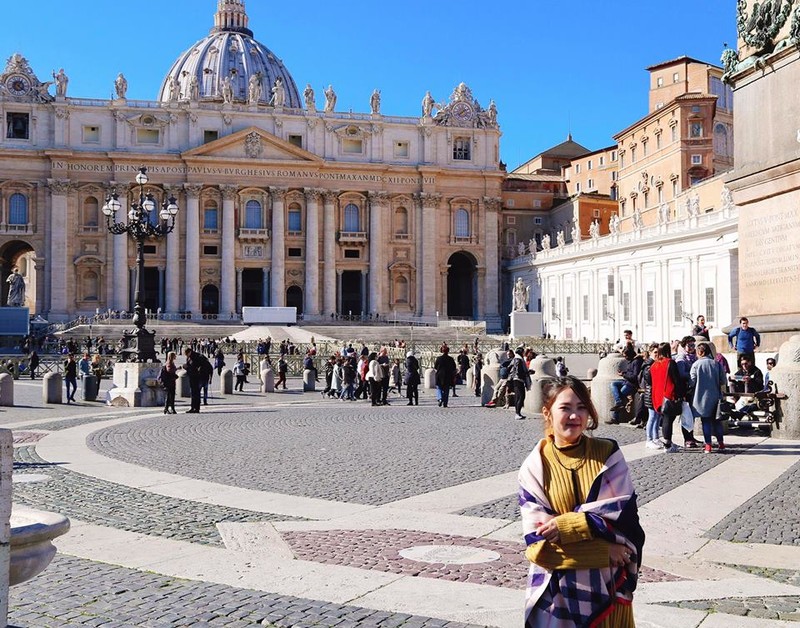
<point x="231" y="17"/>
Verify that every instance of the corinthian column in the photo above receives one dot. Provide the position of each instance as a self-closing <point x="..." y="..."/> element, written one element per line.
<point x="430" y="272"/>
<point x="119" y="273"/>
<point x="278" y="247"/>
<point x="377" y="266"/>
<point x="491" y="294"/>
<point x="173" y="275"/>
<point x="227" y="287"/>
<point x="58" y="259"/>
<point x="312" y="252"/>
<point x="192" y="279"/>
<point x="329" y="253"/>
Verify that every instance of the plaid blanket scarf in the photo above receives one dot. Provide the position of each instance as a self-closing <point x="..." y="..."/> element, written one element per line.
<point x="582" y="597"/>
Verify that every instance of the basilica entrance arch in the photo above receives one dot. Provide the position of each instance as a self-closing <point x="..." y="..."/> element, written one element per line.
<point x="210" y="298"/>
<point x="462" y="286"/>
<point x="20" y="255"/>
<point x="294" y="298"/>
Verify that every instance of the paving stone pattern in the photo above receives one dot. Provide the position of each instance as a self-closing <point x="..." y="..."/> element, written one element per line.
<point x="786" y="608"/>
<point x="365" y="455"/>
<point x="73" y="592"/>
<point x="772" y="516"/>
<point x="108" y="504"/>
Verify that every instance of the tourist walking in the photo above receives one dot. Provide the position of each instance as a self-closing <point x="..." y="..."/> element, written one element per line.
<point x="412" y="379"/>
<point x="666" y="383"/>
<point x="71" y="377"/>
<point x="445" y="367"/>
<point x="238" y="371"/>
<point x="283" y="369"/>
<point x="33" y="363"/>
<point x="579" y="518"/>
<point x="707" y="380"/>
<point x="169" y="379"/>
<point x="197" y="369"/>
<point x="519" y="379"/>
<point x="374" y="376"/>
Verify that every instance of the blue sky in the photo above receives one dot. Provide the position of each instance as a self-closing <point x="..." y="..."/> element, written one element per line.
<point x="550" y="66"/>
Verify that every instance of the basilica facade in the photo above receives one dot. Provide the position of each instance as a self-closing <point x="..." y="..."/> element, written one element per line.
<point x="283" y="199"/>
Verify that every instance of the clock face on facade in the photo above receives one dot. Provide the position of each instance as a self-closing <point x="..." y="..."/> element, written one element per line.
<point x="18" y="84"/>
<point x="462" y="112"/>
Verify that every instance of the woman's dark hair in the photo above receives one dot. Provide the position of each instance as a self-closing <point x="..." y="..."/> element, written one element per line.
<point x="554" y="387"/>
<point x="372" y="356"/>
<point x="664" y="350"/>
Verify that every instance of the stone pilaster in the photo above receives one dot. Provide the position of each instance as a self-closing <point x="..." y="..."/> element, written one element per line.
<point x="491" y="244"/>
<point x="377" y="244"/>
<point x="59" y="233"/>
<point x="192" y="279"/>
<point x="120" y="275"/>
<point x="173" y="276"/>
<point x="278" y="247"/>
<point x="329" y="292"/>
<point x="227" y="288"/>
<point x="313" y="198"/>
<point x="430" y="271"/>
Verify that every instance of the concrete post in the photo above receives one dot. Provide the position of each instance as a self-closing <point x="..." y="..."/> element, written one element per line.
<point x="6" y="390"/>
<point x="182" y="388"/>
<point x="544" y="371"/>
<point x="607" y="372"/>
<point x="309" y="381"/>
<point x="89" y="384"/>
<point x="786" y="376"/>
<point x="52" y="388"/>
<point x="490" y="375"/>
<point x="226" y="382"/>
<point x="429" y="380"/>
<point x="267" y="377"/>
<point x="6" y="466"/>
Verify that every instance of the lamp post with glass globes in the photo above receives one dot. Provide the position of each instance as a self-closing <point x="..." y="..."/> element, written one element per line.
<point x="142" y="224"/>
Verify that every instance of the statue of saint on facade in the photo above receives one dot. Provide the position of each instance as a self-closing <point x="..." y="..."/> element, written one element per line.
<point x="546" y="241"/>
<point x="16" y="289"/>
<point x="121" y="86"/>
<point x="522" y="296"/>
<point x="227" y="90"/>
<point x="174" y="89"/>
<point x="308" y="95"/>
<point x="492" y="113"/>
<point x="254" y="89"/>
<point x="330" y="99"/>
<point x="576" y="233"/>
<point x="194" y="88"/>
<point x="521" y="248"/>
<point x="594" y="230"/>
<point x="375" y="102"/>
<point x="427" y="105"/>
<point x="613" y="224"/>
<point x="560" y="241"/>
<point x="62" y="80"/>
<point x="278" y="93"/>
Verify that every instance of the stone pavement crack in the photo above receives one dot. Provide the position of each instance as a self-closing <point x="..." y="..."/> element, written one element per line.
<point x="116" y="506"/>
<point x="772" y="516"/>
<point x="76" y="592"/>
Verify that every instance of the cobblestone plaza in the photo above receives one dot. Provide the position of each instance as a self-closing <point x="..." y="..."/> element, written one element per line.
<point x="289" y="510"/>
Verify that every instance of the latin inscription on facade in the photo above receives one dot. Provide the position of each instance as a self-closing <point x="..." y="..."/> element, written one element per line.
<point x="769" y="260"/>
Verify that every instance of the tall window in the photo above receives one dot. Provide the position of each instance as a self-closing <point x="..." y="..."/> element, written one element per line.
<point x="401" y="221"/>
<point x="568" y="307"/>
<point x="585" y="308"/>
<point x="605" y="307"/>
<point x="553" y="312"/>
<point x="462" y="149"/>
<point x="651" y="306"/>
<point x="462" y="223"/>
<point x="711" y="303"/>
<point x="295" y="219"/>
<point x="401" y="291"/>
<point x="90" y="212"/>
<point x="253" y="217"/>
<point x="677" y="304"/>
<point x="210" y="216"/>
<point x="352" y="223"/>
<point x="610" y="283"/>
<point x="626" y="306"/>
<point x="18" y="209"/>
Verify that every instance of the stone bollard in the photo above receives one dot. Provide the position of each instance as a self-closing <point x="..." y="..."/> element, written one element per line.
<point x="267" y="378"/>
<point x="607" y="372"/>
<point x="6" y="468"/>
<point x="786" y="376"/>
<point x="591" y="374"/>
<point x="226" y="382"/>
<point x="89" y="384"/>
<point x="182" y="388"/>
<point x="6" y="390"/>
<point x="429" y="380"/>
<point x="52" y="388"/>
<point x="490" y="376"/>
<point x="470" y="383"/>
<point x="544" y="371"/>
<point x="309" y="381"/>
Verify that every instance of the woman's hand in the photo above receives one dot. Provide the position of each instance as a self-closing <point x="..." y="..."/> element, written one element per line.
<point x="618" y="555"/>
<point x="549" y="530"/>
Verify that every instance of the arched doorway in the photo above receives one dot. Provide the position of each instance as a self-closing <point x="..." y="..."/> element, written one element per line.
<point x="294" y="298"/>
<point x="20" y="255"/>
<point x="253" y="287"/>
<point x="210" y="298"/>
<point x="461" y="288"/>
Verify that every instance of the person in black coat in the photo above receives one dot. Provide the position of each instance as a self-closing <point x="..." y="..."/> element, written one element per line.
<point x="412" y="379"/>
<point x="198" y="369"/>
<point x="445" y="367"/>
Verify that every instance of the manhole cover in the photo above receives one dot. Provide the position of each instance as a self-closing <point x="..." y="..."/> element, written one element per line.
<point x="27" y="478"/>
<point x="449" y="554"/>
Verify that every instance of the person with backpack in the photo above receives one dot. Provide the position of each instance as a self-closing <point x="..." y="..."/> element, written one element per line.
<point x="169" y="378"/>
<point x="238" y="371"/>
<point x="520" y="380"/>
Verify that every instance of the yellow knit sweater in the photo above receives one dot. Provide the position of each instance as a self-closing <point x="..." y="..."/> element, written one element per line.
<point x="577" y="548"/>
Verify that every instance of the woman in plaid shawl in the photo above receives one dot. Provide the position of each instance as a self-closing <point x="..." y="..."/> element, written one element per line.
<point x="579" y="518"/>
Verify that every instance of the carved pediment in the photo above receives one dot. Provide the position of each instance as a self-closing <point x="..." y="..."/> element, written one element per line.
<point x="148" y="121"/>
<point x="352" y="132"/>
<point x="252" y="143"/>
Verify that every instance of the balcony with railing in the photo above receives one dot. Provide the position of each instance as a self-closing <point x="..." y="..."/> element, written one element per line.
<point x="352" y="237"/>
<point x="254" y="234"/>
<point x="18" y="229"/>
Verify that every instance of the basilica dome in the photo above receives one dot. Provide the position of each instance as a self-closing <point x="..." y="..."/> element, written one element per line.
<point x="229" y="51"/>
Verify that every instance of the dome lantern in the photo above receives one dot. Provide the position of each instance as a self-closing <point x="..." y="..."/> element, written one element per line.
<point x="232" y="17"/>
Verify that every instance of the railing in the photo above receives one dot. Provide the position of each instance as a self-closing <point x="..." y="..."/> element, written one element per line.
<point x="254" y="234"/>
<point x="352" y="236"/>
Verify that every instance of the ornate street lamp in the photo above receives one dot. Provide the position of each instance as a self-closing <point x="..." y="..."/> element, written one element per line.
<point x="142" y="224"/>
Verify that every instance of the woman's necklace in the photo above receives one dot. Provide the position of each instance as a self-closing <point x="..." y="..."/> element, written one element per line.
<point x="573" y="470"/>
